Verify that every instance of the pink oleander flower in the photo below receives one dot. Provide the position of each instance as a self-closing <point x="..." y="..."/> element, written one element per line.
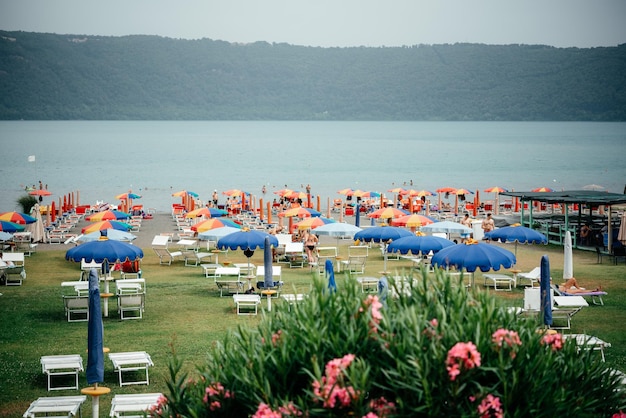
<point x="490" y="407"/>
<point x="370" y="415"/>
<point x="555" y="341"/>
<point x="462" y="354"/>
<point x="290" y="410"/>
<point x="275" y="337"/>
<point x="331" y="389"/>
<point x="264" y="411"/>
<point x="375" y="306"/>
<point x="382" y="408"/>
<point x="157" y="408"/>
<point x="504" y="338"/>
<point x="431" y="329"/>
<point x="215" y="390"/>
<point x="619" y="414"/>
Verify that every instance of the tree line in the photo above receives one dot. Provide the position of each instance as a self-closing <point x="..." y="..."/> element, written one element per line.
<point x="75" y="77"/>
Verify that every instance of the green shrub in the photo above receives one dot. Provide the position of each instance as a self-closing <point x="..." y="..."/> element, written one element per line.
<point x="26" y="202"/>
<point x="435" y="349"/>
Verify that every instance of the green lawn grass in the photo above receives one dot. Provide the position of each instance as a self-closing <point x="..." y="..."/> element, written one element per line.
<point x="185" y="313"/>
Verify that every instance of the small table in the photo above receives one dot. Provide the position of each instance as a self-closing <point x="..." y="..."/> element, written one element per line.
<point x="106" y="297"/>
<point x="515" y="273"/>
<point x="269" y="294"/>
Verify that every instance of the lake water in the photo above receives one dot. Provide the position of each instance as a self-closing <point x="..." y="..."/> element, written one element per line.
<point x="156" y="158"/>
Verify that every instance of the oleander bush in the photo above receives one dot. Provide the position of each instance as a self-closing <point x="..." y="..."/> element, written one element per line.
<point x="428" y="347"/>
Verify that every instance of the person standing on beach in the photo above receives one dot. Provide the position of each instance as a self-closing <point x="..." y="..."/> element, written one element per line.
<point x="488" y="224"/>
<point x="310" y="242"/>
<point x="468" y="223"/>
<point x="215" y="198"/>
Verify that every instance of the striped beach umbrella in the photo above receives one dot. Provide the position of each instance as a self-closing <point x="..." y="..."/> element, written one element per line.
<point x="108" y="215"/>
<point x="17" y="217"/>
<point x="99" y="226"/>
<point x="213" y="223"/>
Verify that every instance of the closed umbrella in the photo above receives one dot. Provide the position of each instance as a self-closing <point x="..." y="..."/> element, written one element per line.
<point x="473" y="255"/>
<point x="268" y="279"/>
<point x="621" y="235"/>
<point x="568" y="257"/>
<point x="546" y="296"/>
<point x="95" y="345"/>
<point x="36" y="229"/>
<point x="330" y="275"/>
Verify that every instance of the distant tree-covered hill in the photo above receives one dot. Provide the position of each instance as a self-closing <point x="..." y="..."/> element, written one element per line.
<point x="48" y="76"/>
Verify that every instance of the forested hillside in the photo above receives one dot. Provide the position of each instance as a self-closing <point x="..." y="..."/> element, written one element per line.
<point x="47" y="76"/>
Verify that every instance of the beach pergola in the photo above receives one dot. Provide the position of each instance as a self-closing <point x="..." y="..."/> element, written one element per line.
<point x="591" y="198"/>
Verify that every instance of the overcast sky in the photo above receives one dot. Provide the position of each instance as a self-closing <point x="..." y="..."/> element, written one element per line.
<point x="561" y="23"/>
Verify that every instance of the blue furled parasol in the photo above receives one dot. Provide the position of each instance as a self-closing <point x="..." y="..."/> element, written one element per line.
<point x="357" y="215"/>
<point x="268" y="279"/>
<point x="546" y="296"/>
<point x="95" y="333"/>
<point x="330" y="274"/>
<point x="472" y="255"/>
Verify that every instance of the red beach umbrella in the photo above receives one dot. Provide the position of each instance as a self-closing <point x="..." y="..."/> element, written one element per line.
<point x="39" y="192"/>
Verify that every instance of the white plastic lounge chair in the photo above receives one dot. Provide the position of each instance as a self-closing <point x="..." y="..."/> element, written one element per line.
<point x="63" y="365"/>
<point x="131" y="362"/>
<point x="76" y="305"/>
<point x="532" y="276"/>
<point x="133" y="404"/>
<point x="66" y="406"/>
<point x="245" y="303"/>
<point x="368" y="283"/>
<point x="355" y="264"/>
<point x="229" y="279"/>
<point x="159" y="246"/>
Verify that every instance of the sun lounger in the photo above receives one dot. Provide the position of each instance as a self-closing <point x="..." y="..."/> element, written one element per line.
<point x="159" y="246"/>
<point x="76" y="305"/>
<point x="565" y="307"/>
<point x="58" y="406"/>
<point x="499" y="281"/>
<point x="229" y="279"/>
<point x="130" y="362"/>
<point x="133" y="404"/>
<point x="596" y="296"/>
<point x="368" y="283"/>
<point x="63" y="365"/>
<point x="532" y="276"/>
<point x="292" y="298"/>
<point x="588" y="342"/>
<point x="245" y="302"/>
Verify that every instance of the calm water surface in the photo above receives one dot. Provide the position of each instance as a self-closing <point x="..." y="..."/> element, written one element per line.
<point x="106" y="158"/>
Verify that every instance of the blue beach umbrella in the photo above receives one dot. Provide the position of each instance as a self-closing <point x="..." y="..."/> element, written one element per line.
<point x="473" y="255"/>
<point x="381" y="234"/>
<point x="516" y="234"/>
<point x="419" y="244"/>
<point x="95" y="333"/>
<point x="246" y="240"/>
<point x="546" y="297"/>
<point x="102" y="250"/>
<point x="7" y="226"/>
<point x="357" y="214"/>
<point x="268" y="279"/>
<point x="330" y="274"/>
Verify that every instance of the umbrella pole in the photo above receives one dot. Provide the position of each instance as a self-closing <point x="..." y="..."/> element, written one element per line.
<point x="95" y="392"/>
